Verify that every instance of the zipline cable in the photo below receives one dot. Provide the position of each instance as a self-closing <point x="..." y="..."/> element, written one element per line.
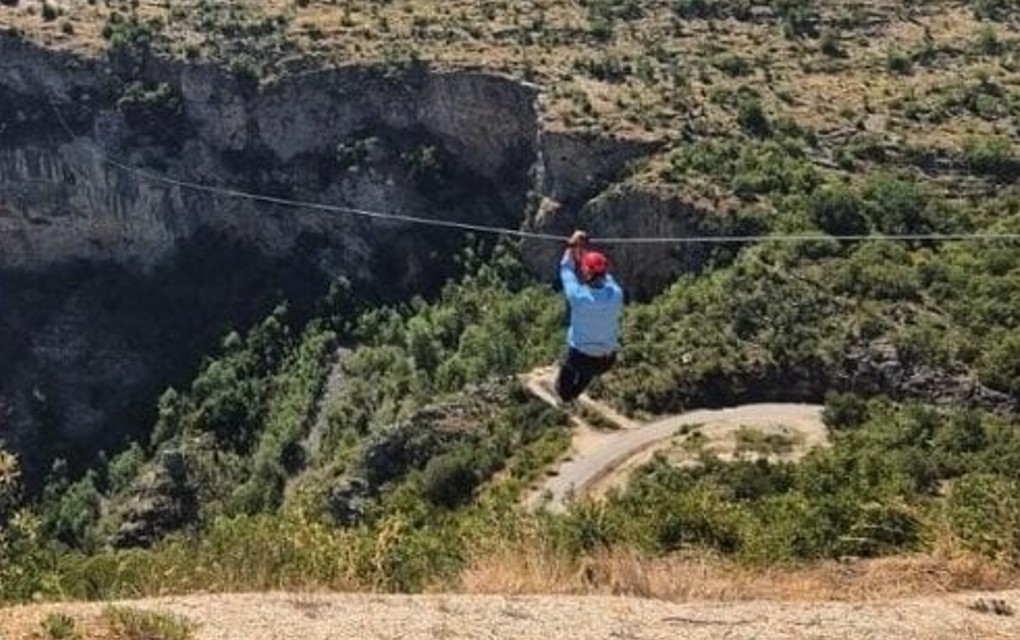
<point x="321" y="206"/>
<point x="288" y="202"/>
<point x="518" y="233"/>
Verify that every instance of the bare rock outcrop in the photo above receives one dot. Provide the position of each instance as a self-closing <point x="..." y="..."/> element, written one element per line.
<point x="160" y="500"/>
<point x="629" y="210"/>
<point x="879" y="368"/>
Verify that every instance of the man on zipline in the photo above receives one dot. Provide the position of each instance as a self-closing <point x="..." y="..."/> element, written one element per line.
<point x="596" y="302"/>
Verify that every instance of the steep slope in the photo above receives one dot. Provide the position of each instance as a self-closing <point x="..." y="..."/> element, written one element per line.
<point x="146" y="277"/>
<point x="651" y="118"/>
<point x="82" y="237"/>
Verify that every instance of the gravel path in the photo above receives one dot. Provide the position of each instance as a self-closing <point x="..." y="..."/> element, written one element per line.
<point x="577" y="475"/>
<point x="594" y="456"/>
<point x="281" y="616"/>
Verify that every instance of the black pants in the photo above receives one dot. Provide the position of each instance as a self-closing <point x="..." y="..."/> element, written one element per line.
<point x="578" y="370"/>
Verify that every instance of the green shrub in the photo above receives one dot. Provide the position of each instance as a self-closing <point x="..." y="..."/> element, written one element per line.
<point x="10" y="484"/>
<point x="124" y="467"/>
<point x="838" y="211"/>
<point x="896" y="204"/>
<point x="59" y="626"/>
<point x="25" y="563"/>
<point x="988" y="42"/>
<point x="884" y="529"/>
<point x="960" y="444"/>
<point x="993" y="156"/>
<point x="752" y="118"/>
<point x="983" y="510"/>
<point x="125" y="32"/>
<point x="698" y="518"/>
<point x="711" y="9"/>
<point x="601" y="28"/>
<point x="425" y="166"/>
<point x="798" y="17"/>
<point x="992" y="9"/>
<point x="590" y="526"/>
<point x="128" y="623"/>
<point x="830" y="45"/>
<point x="733" y="65"/>
<point x="999" y="366"/>
<point x="71" y="512"/>
<point x="899" y="62"/>
<point x="771" y="167"/>
<point x="449" y="480"/>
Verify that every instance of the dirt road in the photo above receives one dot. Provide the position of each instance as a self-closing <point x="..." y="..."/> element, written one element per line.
<point x="597" y="455"/>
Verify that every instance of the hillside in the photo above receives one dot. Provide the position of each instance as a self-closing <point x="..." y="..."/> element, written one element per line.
<point x="875" y="82"/>
<point x="633" y="68"/>
<point x="201" y="391"/>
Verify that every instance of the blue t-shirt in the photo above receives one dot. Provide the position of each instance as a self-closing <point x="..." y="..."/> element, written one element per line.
<point x="594" y="312"/>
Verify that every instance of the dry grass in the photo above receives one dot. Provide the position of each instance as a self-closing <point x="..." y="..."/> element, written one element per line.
<point x="72" y="622"/>
<point x="129" y="623"/>
<point x="706" y="577"/>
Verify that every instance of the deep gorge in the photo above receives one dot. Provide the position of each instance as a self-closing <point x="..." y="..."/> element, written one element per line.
<point x="113" y="285"/>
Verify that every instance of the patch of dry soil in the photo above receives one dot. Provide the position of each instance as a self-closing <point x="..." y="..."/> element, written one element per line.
<point x="286" y="616"/>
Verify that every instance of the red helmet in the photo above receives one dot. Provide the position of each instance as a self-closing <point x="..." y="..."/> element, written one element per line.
<point x="595" y="263"/>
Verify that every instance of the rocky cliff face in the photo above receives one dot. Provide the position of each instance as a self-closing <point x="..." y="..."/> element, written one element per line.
<point x="112" y="284"/>
<point x="634" y="211"/>
<point x="454" y="145"/>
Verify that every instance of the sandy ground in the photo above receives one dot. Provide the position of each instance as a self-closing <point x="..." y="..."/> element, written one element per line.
<point x="282" y="616"/>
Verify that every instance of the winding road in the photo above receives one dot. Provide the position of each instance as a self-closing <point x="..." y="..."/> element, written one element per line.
<point x="600" y="458"/>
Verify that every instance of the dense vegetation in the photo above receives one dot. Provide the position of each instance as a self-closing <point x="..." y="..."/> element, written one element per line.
<point x="899" y="476"/>
<point x="266" y="470"/>
<point x="896" y="479"/>
<point x="785" y="316"/>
